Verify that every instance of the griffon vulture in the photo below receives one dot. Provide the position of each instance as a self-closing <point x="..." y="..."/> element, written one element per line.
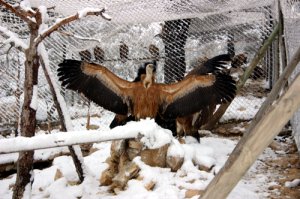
<point x="190" y="124"/>
<point x="145" y="98"/>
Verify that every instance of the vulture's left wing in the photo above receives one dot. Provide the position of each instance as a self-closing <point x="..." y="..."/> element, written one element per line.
<point x="97" y="83"/>
<point x="212" y="65"/>
<point x="195" y="93"/>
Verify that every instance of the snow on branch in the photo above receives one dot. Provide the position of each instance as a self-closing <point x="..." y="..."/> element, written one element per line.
<point x="150" y="133"/>
<point x="13" y="39"/>
<point x="26" y="15"/>
<point x="64" y="21"/>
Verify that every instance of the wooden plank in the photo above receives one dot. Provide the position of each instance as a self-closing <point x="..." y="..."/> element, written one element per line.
<point x="253" y="143"/>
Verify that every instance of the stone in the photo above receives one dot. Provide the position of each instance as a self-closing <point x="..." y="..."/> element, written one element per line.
<point x="174" y="162"/>
<point x="126" y="173"/>
<point x="155" y="157"/>
<point x="58" y="175"/>
<point x="192" y="192"/>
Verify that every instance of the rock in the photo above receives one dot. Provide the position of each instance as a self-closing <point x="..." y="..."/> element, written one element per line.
<point x="58" y="175"/>
<point x="274" y="146"/>
<point x="192" y="192"/>
<point x="116" y="160"/>
<point x="106" y="177"/>
<point x="134" y="148"/>
<point x="126" y="173"/>
<point x="150" y="185"/>
<point x="205" y="168"/>
<point x="155" y="157"/>
<point x="174" y="162"/>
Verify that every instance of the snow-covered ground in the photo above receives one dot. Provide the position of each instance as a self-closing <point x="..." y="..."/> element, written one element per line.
<point x="211" y="150"/>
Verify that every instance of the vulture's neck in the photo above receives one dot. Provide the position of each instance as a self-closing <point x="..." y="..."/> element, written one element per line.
<point x="149" y="78"/>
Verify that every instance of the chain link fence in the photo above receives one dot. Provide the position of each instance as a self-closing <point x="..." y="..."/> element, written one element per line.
<point x="177" y="34"/>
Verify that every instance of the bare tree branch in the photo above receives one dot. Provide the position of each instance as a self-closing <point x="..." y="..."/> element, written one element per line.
<point x="66" y="21"/>
<point x="19" y="12"/>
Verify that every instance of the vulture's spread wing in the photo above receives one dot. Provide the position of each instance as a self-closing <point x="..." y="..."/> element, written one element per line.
<point x="211" y="66"/>
<point x="97" y="83"/>
<point x="195" y="93"/>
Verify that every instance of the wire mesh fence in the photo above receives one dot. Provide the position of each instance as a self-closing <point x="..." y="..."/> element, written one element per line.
<point x="176" y="34"/>
<point x="291" y="17"/>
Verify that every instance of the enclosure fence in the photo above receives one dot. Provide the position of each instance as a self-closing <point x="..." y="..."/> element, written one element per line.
<point x="177" y="34"/>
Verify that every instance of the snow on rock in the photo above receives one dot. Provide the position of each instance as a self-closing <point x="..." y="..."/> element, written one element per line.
<point x="155" y="136"/>
<point x="291" y="184"/>
<point x="175" y="149"/>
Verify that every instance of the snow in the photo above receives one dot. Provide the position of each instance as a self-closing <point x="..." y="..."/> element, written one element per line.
<point x="83" y="12"/>
<point x="43" y="26"/>
<point x="294" y="183"/>
<point x="153" y="137"/>
<point x="243" y="112"/>
<point x="211" y="151"/>
<point x="67" y="118"/>
<point x="13" y="38"/>
<point x="34" y="100"/>
<point x="26" y="6"/>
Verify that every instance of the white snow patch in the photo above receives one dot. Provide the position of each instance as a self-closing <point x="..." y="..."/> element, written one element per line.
<point x="13" y="38"/>
<point x="34" y="100"/>
<point x="211" y="151"/>
<point x="291" y="184"/>
<point x="175" y="149"/>
<point x="239" y="109"/>
<point x="83" y="12"/>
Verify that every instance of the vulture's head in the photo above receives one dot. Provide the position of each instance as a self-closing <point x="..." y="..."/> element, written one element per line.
<point x="142" y="70"/>
<point x="150" y="75"/>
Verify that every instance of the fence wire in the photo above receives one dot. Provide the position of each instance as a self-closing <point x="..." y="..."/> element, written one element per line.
<point x="291" y="15"/>
<point x="177" y="34"/>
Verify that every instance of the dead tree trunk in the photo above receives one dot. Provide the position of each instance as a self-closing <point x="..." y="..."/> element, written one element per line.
<point x="174" y="35"/>
<point x="28" y="119"/>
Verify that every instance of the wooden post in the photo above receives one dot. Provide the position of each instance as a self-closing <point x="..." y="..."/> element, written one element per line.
<point x="259" y="55"/>
<point x="253" y="143"/>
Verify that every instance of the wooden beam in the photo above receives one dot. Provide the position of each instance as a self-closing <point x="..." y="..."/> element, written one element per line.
<point x="253" y="143"/>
